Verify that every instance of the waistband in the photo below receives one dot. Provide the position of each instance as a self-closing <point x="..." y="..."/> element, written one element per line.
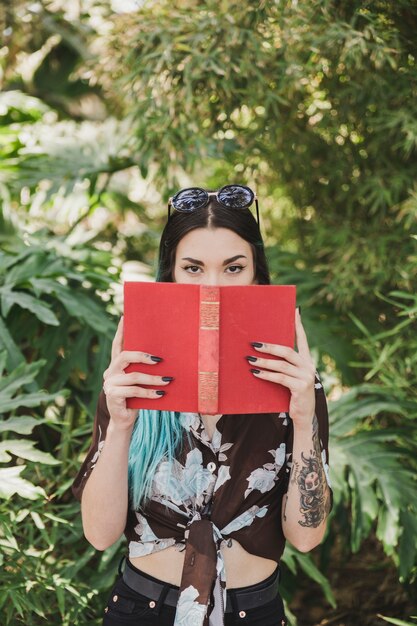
<point x="238" y="598"/>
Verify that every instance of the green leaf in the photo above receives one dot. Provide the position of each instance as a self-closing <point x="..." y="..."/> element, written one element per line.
<point x="294" y="559"/>
<point x="23" y="424"/>
<point x="14" y="354"/>
<point x="408" y="541"/>
<point x="397" y="622"/>
<point x="11" y="482"/>
<point x="24" y="448"/>
<point x="26" y="301"/>
<point x="28" y="400"/>
<point x="34" y="264"/>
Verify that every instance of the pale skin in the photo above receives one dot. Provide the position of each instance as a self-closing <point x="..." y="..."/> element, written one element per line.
<point x="303" y="516"/>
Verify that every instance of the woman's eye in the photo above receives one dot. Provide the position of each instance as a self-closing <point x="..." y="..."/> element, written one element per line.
<point x="192" y="267"/>
<point x="238" y="267"/>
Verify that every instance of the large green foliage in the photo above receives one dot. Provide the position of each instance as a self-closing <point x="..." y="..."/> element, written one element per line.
<point x="55" y="334"/>
<point x="102" y="115"/>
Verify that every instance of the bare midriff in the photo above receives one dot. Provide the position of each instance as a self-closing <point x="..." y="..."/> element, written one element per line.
<point x="242" y="568"/>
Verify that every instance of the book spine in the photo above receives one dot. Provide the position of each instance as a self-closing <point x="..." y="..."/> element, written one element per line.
<point x="208" y="350"/>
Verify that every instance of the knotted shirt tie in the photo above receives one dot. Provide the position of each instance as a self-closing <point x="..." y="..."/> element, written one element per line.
<point x="202" y="597"/>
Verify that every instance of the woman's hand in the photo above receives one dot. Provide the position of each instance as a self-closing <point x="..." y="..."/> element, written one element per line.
<point x="117" y="385"/>
<point x="296" y="371"/>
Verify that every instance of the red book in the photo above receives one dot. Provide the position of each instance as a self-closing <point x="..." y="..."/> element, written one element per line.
<point x="203" y="334"/>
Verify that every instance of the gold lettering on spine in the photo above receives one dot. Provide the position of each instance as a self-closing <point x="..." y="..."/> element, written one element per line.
<point x="209" y="315"/>
<point x="208" y="385"/>
<point x="208" y="359"/>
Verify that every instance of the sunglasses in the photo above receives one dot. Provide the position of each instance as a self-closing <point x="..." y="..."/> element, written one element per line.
<point x="230" y="196"/>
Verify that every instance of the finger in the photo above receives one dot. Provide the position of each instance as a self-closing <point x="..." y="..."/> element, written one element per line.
<point x="278" y="366"/>
<point x="117" y="344"/>
<point x="301" y="337"/>
<point x="278" y="350"/>
<point x="294" y="384"/>
<point x="133" y="392"/>
<point x="135" y="378"/>
<point x="126" y="357"/>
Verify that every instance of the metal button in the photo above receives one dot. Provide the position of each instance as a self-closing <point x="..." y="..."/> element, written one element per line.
<point x="115" y="598"/>
<point x="152" y="603"/>
<point x="211" y="466"/>
<point x="106" y="609"/>
<point x="242" y="614"/>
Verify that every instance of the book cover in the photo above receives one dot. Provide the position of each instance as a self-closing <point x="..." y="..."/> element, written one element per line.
<point x="203" y="334"/>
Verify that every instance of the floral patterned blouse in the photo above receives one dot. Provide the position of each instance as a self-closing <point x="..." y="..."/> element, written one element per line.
<point x="229" y="487"/>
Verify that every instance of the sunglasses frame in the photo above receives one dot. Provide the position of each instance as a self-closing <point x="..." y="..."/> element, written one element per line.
<point x="216" y="194"/>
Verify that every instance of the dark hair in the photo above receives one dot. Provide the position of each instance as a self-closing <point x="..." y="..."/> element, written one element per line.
<point x="213" y="215"/>
<point x="149" y="443"/>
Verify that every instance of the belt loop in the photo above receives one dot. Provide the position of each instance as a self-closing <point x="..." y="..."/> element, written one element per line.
<point x="233" y="600"/>
<point x="120" y="565"/>
<point x="161" y="598"/>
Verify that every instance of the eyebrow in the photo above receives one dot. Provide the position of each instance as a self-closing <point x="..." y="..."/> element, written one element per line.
<point x="197" y="262"/>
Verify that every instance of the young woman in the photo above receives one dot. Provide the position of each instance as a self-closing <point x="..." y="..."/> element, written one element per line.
<point x="206" y="502"/>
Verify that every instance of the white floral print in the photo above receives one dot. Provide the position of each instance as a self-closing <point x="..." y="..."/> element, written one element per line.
<point x="189" y="612"/>
<point x="326" y="467"/>
<point x="195" y="477"/>
<point x="284" y="417"/>
<point x="189" y="420"/>
<point x="222" y="450"/>
<point x="279" y="456"/>
<point x="223" y="475"/>
<point x="263" y="478"/>
<point x="167" y="482"/>
<point x="97" y="453"/>
<point x="245" y="519"/>
<point x="192" y="483"/>
<point x="148" y="542"/>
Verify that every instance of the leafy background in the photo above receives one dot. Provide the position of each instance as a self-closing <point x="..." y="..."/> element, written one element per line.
<point x="105" y="109"/>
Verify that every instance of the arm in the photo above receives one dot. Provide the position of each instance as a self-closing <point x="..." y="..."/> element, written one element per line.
<point x="105" y="497"/>
<point x="308" y="500"/>
<point x="102" y="482"/>
<point x="307" y="503"/>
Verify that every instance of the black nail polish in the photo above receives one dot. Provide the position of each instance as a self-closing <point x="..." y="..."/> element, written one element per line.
<point x="255" y="371"/>
<point x="256" y="344"/>
<point x="251" y="358"/>
<point x="156" y="358"/>
<point x="167" y="378"/>
<point x="299" y="309"/>
<point x="160" y="392"/>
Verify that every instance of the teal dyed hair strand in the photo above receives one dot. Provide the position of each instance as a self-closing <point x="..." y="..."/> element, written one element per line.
<point x="156" y="435"/>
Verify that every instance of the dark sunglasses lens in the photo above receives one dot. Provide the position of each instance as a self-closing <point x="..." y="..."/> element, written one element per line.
<point x="236" y="196"/>
<point x="189" y="199"/>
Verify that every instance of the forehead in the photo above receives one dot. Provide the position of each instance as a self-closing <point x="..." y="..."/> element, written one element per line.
<point x="212" y="244"/>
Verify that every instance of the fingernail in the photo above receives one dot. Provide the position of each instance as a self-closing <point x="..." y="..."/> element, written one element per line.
<point x="160" y="392"/>
<point x="299" y="309"/>
<point x="167" y="378"/>
<point x="256" y="344"/>
<point x="156" y="358"/>
<point x="255" y="371"/>
<point x="251" y="358"/>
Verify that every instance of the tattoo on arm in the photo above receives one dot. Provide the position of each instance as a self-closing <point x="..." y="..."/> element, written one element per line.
<point x="311" y="481"/>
